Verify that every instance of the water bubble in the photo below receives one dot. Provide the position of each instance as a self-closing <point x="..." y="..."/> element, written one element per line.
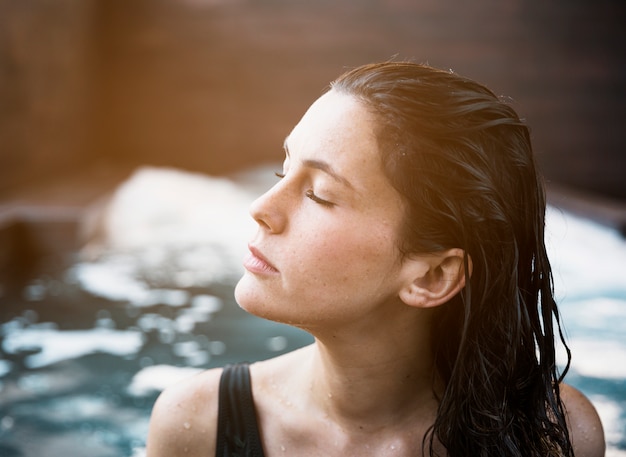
<point x="105" y="323"/>
<point x="45" y="326"/>
<point x="5" y="367"/>
<point x="146" y="362"/>
<point x="217" y="347"/>
<point x="6" y="423"/>
<point x="187" y="426"/>
<point x="34" y="383"/>
<point x="132" y="311"/>
<point x="185" y="323"/>
<point x="103" y="314"/>
<point x="207" y="303"/>
<point x="30" y="316"/>
<point x="198" y="358"/>
<point x="173" y="297"/>
<point x="185" y="348"/>
<point x="104" y="320"/>
<point x="152" y="321"/>
<point x="167" y="335"/>
<point x="202" y="340"/>
<point x="35" y="291"/>
<point x="276" y="343"/>
<point x="198" y="315"/>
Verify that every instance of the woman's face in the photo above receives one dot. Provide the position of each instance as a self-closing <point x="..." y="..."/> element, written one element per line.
<point x="326" y="248"/>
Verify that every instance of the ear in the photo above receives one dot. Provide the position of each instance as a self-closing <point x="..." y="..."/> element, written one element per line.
<point x="433" y="279"/>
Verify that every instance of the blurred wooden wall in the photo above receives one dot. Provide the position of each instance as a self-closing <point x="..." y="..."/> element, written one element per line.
<point x="215" y="85"/>
<point x="45" y="88"/>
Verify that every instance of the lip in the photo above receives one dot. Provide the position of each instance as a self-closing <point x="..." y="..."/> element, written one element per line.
<point x="255" y="262"/>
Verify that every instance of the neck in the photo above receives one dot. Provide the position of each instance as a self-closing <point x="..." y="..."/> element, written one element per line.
<point x="379" y="378"/>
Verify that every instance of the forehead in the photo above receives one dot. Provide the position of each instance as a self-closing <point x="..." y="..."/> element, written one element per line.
<point x="339" y="130"/>
<point x="336" y="127"/>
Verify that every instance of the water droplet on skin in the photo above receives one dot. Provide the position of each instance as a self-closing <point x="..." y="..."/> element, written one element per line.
<point x="187" y="426"/>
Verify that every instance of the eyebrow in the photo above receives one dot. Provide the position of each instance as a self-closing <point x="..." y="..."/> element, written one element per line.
<point x="322" y="166"/>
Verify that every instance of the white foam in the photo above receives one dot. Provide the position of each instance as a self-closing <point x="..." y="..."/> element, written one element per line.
<point x="589" y="263"/>
<point x="158" y="377"/>
<point x="588" y="259"/>
<point x="113" y="281"/>
<point x="602" y="316"/>
<point x="139" y="452"/>
<point x="57" y="345"/>
<point x="609" y="413"/>
<point x="597" y="358"/>
<point x="167" y="228"/>
<point x="5" y="367"/>
<point x="160" y="212"/>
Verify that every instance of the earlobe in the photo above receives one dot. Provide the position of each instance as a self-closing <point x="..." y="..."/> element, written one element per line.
<point x="436" y="278"/>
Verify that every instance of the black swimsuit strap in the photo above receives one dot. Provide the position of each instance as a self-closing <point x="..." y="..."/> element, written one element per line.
<point x="237" y="428"/>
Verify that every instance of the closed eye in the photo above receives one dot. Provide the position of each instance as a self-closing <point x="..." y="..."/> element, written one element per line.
<point x="310" y="194"/>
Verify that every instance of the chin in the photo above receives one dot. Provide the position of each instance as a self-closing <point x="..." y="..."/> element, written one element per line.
<point x="248" y="297"/>
<point x="256" y="302"/>
<point x="241" y="292"/>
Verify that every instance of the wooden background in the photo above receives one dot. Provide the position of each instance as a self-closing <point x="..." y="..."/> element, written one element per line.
<point x="92" y="89"/>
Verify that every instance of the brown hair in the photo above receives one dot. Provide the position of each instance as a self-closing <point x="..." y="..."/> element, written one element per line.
<point x="463" y="162"/>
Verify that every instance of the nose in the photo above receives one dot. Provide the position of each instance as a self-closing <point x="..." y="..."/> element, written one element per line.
<point x="269" y="210"/>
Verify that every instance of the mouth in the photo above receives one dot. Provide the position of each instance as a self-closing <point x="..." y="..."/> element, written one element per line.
<point x="255" y="262"/>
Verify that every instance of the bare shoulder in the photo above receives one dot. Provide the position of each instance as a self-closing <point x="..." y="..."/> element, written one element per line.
<point x="184" y="418"/>
<point x="584" y="423"/>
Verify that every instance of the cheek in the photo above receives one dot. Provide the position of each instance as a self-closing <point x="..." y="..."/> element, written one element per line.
<point x="352" y="251"/>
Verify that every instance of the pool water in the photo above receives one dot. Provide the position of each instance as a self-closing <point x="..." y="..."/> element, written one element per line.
<point x="85" y="349"/>
<point x="79" y="373"/>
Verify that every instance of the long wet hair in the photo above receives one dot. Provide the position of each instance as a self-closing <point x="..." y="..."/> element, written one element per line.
<point x="463" y="162"/>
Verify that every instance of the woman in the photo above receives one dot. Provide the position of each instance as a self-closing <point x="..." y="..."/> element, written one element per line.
<point x="406" y="235"/>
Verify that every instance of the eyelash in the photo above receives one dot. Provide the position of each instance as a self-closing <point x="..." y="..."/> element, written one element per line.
<point x="310" y="194"/>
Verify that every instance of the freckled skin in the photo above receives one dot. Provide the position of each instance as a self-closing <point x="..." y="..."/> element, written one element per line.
<point x="334" y="260"/>
<point x="185" y="418"/>
<point x="584" y="423"/>
<point x="365" y="387"/>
